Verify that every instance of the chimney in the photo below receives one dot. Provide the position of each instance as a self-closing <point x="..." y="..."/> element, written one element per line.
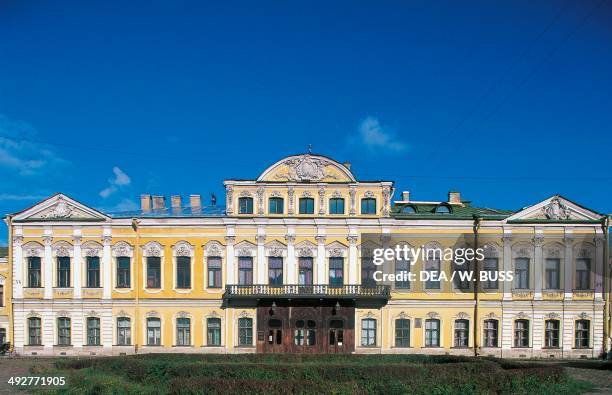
<point x="195" y="202"/>
<point x="159" y="202"/>
<point x="145" y="203"/>
<point x="406" y="196"/>
<point x="175" y="201"/>
<point x="347" y="165"/>
<point x="454" y="197"/>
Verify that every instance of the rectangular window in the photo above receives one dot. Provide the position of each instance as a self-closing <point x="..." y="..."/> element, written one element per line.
<point x="490" y="333"/>
<point x="245" y="332"/>
<point x="490" y="266"/>
<point x="432" y="265"/>
<point x="93" y="331"/>
<point x="214" y="271"/>
<point x="183" y="272"/>
<point x="34" y="272"/>
<point x="275" y="271"/>
<point x="34" y="332"/>
<point x="213" y="331"/>
<point x="368" y="332"/>
<point x="245" y="205"/>
<point x="583" y="333"/>
<point x="336" y="206"/>
<point x="63" y="272"/>
<point x="275" y="205"/>
<point x="521" y="333"/>
<point x="552" y="274"/>
<point x="305" y="271"/>
<point x="367" y="272"/>
<point x="2" y="336"/>
<point x="93" y="272"/>
<point x="123" y="272"/>
<point x="153" y="332"/>
<point x="336" y="271"/>
<point x="462" y="331"/>
<point x="306" y="206"/>
<point x="521" y="273"/>
<point x="153" y="272"/>
<point x="402" y="268"/>
<point x="124" y="331"/>
<point x="551" y="334"/>
<point x="368" y="206"/>
<point x="402" y="333"/>
<point x="183" y="332"/>
<point x="460" y="280"/>
<point x="432" y="333"/>
<point x="245" y="270"/>
<point x="583" y="273"/>
<point x="63" y="331"/>
<point x="1" y="295"/>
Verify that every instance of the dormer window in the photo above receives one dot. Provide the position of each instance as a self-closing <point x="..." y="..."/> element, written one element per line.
<point x="408" y="210"/>
<point x="306" y="205"/>
<point x="336" y="206"/>
<point x="245" y="205"/>
<point x="368" y="206"/>
<point x="275" y="205"/>
<point x="442" y="209"/>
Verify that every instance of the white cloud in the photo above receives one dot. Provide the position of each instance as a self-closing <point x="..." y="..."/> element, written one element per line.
<point x="121" y="179"/>
<point x="374" y="136"/>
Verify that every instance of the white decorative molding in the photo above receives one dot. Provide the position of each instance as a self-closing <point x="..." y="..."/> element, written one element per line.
<point x="183" y="314"/>
<point x="62" y="249"/>
<point x="522" y="249"/>
<point x="260" y="200"/>
<point x="61" y="209"/>
<point x="245" y="194"/>
<point x="556" y="210"/>
<point x="583" y="316"/>
<point x="491" y="250"/>
<point x="183" y="248"/>
<point x="462" y="316"/>
<point x="229" y="196"/>
<point x="276" y="194"/>
<point x="152" y="314"/>
<point x="552" y="316"/>
<point x="122" y="248"/>
<point x="91" y="249"/>
<point x="244" y="314"/>
<point x="522" y="316"/>
<point x="244" y="248"/>
<point x="214" y="248"/>
<point x="305" y="168"/>
<point x="337" y="194"/>
<point x="152" y="248"/>
<point x="336" y="250"/>
<point x="290" y="194"/>
<point x="306" y="194"/>
<point x="353" y="200"/>
<point x="369" y="195"/>
<point x="32" y="248"/>
<point x="305" y="249"/>
<point x="433" y="315"/>
<point x="321" y="200"/>
<point x="276" y="248"/>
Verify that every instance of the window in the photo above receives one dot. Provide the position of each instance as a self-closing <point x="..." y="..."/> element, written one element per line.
<point x="311" y="333"/>
<point x="551" y="334"/>
<point x="183" y="332"/>
<point x="462" y="331"/>
<point x="521" y="273"/>
<point x="442" y="209"/>
<point x="34" y="272"/>
<point x="552" y="273"/>
<point x="124" y="331"/>
<point x="368" y="332"/>
<point x="63" y="272"/>
<point x="460" y="279"/>
<point x="582" y="333"/>
<point x="367" y="272"/>
<point x="2" y="336"/>
<point x="306" y="206"/>
<point x="63" y="331"/>
<point x="490" y="333"/>
<point x="521" y="333"/>
<point x="336" y="206"/>
<point x="408" y="210"/>
<point x="490" y="266"/>
<point x="583" y="273"/>
<point x="402" y="268"/>
<point x="34" y="332"/>
<point x="183" y="272"/>
<point x="432" y="265"/>
<point x="275" y="205"/>
<point x="93" y="331"/>
<point x="275" y="271"/>
<point x="213" y="331"/>
<point x="299" y="333"/>
<point x="336" y="271"/>
<point x="402" y="333"/>
<point x="93" y="272"/>
<point x="432" y="333"/>
<point x="245" y="205"/>
<point x="153" y="332"/>
<point x="214" y="271"/>
<point x="245" y="270"/>
<point x="245" y="331"/>
<point x="305" y="271"/>
<point x="1" y="295"/>
<point x="153" y="272"/>
<point x="368" y="206"/>
<point x="123" y="272"/>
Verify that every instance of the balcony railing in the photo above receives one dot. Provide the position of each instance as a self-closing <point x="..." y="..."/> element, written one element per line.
<point x="308" y="291"/>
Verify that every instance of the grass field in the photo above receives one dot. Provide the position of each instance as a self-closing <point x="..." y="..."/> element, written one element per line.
<point x="307" y="374"/>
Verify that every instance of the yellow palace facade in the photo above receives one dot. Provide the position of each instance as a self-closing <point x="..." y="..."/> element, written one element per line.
<point x="284" y="267"/>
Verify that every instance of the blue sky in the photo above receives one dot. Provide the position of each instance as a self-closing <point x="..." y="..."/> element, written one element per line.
<point x="508" y="102"/>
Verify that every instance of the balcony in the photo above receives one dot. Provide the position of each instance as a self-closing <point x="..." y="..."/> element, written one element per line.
<point x="358" y="295"/>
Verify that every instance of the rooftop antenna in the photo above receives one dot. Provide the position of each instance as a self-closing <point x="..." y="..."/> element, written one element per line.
<point x="310" y="148"/>
<point x="213" y="199"/>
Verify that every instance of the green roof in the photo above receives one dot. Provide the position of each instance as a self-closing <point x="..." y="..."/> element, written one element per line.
<point x="465" y="211"/>
<point x="3" y="252"/>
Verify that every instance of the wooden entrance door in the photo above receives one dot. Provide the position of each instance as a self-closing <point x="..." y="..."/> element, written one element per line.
<point x="336" y="336"/>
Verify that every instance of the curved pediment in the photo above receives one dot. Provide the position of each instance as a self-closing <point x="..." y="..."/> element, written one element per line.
<point x="307" y="168"/>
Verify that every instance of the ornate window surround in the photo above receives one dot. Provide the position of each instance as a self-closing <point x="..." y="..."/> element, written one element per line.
<point x="152" y="248"/>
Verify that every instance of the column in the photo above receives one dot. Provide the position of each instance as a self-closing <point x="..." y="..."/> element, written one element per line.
<point x="538" y="241"/>
<point x="321" y="275"/>
<point x="78" y="265"/>
<point x="568" y="265"/>
<point x="261" y="260"/>
<point x="17" y="267"/>
<point x="48" y="264"/>
<point x="291" y="261"/>
<point x="229" y="260"/>
<point x="107" y="267"/>
<point x="599" y="257"/>
<point x="352" y="261"/>
<point x="507" y="285"/>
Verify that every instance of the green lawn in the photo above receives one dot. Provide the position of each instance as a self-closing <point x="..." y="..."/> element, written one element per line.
<point x="309" y="374"/>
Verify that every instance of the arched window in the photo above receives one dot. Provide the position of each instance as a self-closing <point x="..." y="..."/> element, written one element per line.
<point x="183" y="332"/>
<point x="245" y="331"/>
<point x="124" y="331"/>
<point x="34" y="331"/>
<point x="490" y="333"/>
<point x="583" y="333"/>
<point x="521" y="333"/>
<point x="245" y="205"/>
<point x="408" y="210"/>
<point x="368" y="332"/>
<point x="432" y="332"/>
<point x="153" y="332"/>
<point x="551" y="334"/>
<point x="213" y="331"/>
<point x="336" y="206"/>
<point x="93" y="331"/>
<point x="442" y="209"/>
<point x="368" y="206"/>
<point x="462" y="332"/>
<point x="306" y="205"/>
<point x="275" y="205"/>
<point x="402" y="332"/>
